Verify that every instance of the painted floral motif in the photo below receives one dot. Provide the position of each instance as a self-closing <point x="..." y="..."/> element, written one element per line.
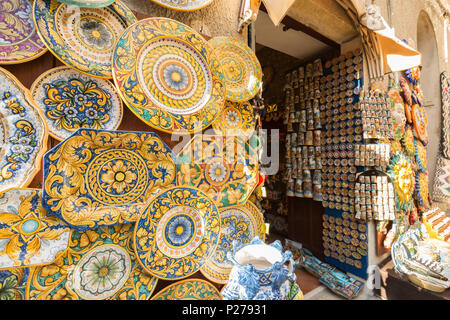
<point x="420" y="121"/>
<point x="401" y="171"/>
<point x="95" y="34"/>
<point x="27" y="235"/>
<point x="408" y="142"/>
<point x="155" y="220"/>
<point x="58" y="281"/>
<point x="420" y="155"/>
<point x="236" y="119"/>
<point x="227" y="177"/>
<point x="192" y="289"/>
<point x="175" y="84"/>
<point x="184" y="5"/>
<point x="98" y="178"/>
<point x="13" y="283"/>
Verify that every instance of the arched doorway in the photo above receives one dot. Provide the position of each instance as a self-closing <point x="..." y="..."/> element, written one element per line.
<point x="430" y="82"/>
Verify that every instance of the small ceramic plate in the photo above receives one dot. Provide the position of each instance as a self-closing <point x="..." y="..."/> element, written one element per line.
<point x="100" y="178"/>
<point x="241" y="223"/>
<point x="236" y="119"/>
<point x="184" y="5"/>
<point x="19" y="41"/>
<point x="191" y="289"/>
<point x="23" y="134"/>
<point x="240" y="66"/>
<point x="82" y="38"/>
<point x="98" y="265"/>
<point x="224" y="168"/>
<point x="89" y="3"/>
<point x="177" y="233"/>
<point x="71" y="100"/>
<point x="28" y="237"/>
<point x="167" y="76"/>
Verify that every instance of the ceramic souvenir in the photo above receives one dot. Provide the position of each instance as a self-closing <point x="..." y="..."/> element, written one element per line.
<point x="240" y="66"/>
<point x="420" y="121"/>
<point x="99" y="178"/>
<point x="441" y="185"/>
<point x="177" y="233"/>
<point x="29" y="237"/>
<point x="236" y="119"/>
<point x="408" y="142"/>
<point x="19" y="41"/>
<point x="88" y="3"/>
<point x="445" y="93"/>
<point x="13" y="283"/>
<point x="259" y="272"/>
<point x="183" y="5"/>
<point x="241" y="223"/>
<point x="71" y="100"/>
<point x="82" y="38"/>
<point x="167" y="75"/>
<point x="98" y="265"/>
<point x="420" y="155"/>
<point x="191" y="289"/>
<point x="225" y="168"/>
<point x="402" y="175"/>
<point x="422" y="192"/>
<point x="23" y="134"/>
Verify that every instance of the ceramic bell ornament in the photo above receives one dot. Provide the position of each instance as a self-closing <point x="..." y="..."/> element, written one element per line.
<point x="259" y="272"/>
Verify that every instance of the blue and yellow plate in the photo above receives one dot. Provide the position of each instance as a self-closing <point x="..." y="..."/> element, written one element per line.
<point x="28" y="236"/>
<point x="99" y="178"/>
<point x="240" y="66"/>
<point x="98" y="265"/>
<point x="236" y="119"/>
<point x="184" y="5"/>
<point x="23" y="134"/>
<point x="177" y="233"/>
<point x="241" y="223"/>
<point x="190" y="289"/>
<point x="167" y="75"/>
<point x="71" y="100"/>
<point x="82" y="38"/>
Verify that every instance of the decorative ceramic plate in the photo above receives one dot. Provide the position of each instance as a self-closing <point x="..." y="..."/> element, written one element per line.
<point x="191" y="289"/>
<point x="23" y="134"/>
<point x="422" y="191"/>
<point x="89" y="3"/>
<point x="240" y="66"/>
<point x="236" y="119"/>
<point x="421" y="155"/>
<point x="99" y="264"/>
<point x="241" y="223"/>
<point x="71" y="100"/>
<point x="13" y="283"/>
<point x="99" y="178"/>
<point x="168" y="76"/>
<point x="420" y="121"/>
<point x="19" y="41"/>
<point x="27" y="235"/>
<point x="82" y="38"/>
<point x="184" y="5"/>
<point x="225" y="168"/>
<point x="408" y="141"/>
<point x="402" y="174"/>
<point x="177" y="233"/>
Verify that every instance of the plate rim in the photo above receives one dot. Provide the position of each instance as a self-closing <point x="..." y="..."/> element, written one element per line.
<point x="177" y="283"/>
<point x="180" y="9"/>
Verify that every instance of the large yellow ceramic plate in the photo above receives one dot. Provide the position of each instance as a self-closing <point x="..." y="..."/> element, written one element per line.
<point x="177" y="233"/>
<point x="23" y="134"/>
<point x="240" y="66"/>
<point x="168" y="76"/>
<point x="19" y="41"/>
<point x="98" y="265"/>
<point x="82" y="38"/>
<point x="191" y="289"/>
<point x="241" y="223"/>
<point x="225" y="168"/>
<point x="98" y="178"/>
<point x="184" y="5"/>
<point x="236" y="119"/>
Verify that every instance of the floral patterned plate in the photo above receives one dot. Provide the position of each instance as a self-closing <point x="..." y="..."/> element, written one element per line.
<point x="241" y="223"/>
<point x="99" y="178"/>
<point x="168" y="76"/>
<point x="23" y="134"/>
<point x="98" y="265"/>
<point x="240" y="67"/>
<point x="82" y="38"/>
<point x="224" y="168"/>
<point x="71" y="100"/>
<point x="191" y="289"/>
<point x="89" y="3"/>
<point x="177" y="233"/>
<point x="184" y="5"/>
<point x="236" y="119"/>
<point x="19" y="41"/>
<point x="27" y="235"/>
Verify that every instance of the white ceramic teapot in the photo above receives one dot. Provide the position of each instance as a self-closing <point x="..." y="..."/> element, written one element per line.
<point x="259" y="272"/>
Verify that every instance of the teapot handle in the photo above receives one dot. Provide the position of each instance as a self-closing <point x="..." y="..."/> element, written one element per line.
<point x="287" y="257"/>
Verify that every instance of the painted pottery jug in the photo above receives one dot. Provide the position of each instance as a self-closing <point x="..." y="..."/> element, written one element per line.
<point x="259" y="272"/>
